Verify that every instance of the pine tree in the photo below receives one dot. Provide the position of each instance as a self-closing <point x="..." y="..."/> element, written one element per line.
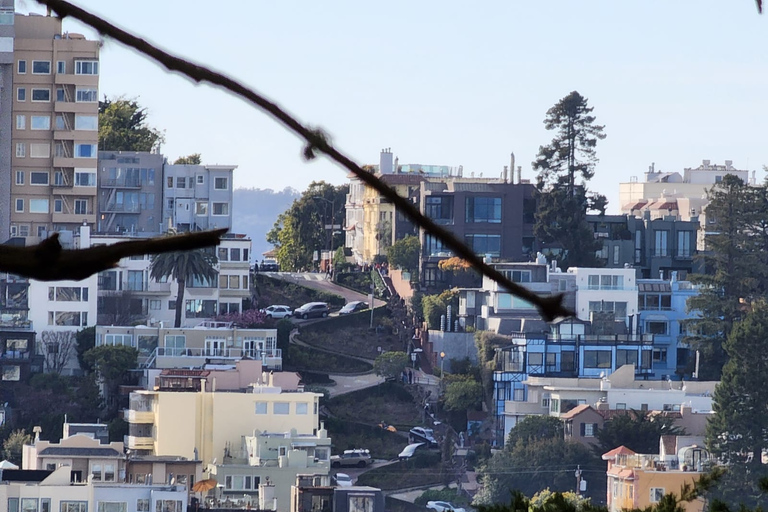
<point x="565" y="166"/>
<point x="738" y="431"/>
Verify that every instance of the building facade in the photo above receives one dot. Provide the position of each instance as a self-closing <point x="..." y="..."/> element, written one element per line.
<point x="130" y="192"/>
<point x="197" y="197"/>
<point x="55" y="129"/>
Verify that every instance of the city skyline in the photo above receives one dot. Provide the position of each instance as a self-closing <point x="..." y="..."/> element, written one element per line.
<point x="673" y="84"/>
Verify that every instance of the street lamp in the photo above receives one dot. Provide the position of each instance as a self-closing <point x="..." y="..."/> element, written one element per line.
<point x="442" y="364"/>
<point x="332" y="202"/>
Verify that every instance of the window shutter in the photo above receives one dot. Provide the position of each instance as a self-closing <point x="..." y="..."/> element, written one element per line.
<point x="582" y="428"/>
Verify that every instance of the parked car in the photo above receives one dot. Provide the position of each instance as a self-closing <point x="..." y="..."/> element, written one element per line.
<point x="342" y="480"/>
<point x="423" y="435"/>
<point x="409" y="451"/>
<point x="353" y="306"/>
<point x="351" y="458"/>
<point x="269" y="265"/>
<point x="443" y="506"/>
<point x="312" y="310"/>
<point x="277" y="311"/>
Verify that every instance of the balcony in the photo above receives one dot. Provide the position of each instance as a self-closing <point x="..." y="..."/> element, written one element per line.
<point x="121" y="183"/>
<point x="75" y="107"/>
<point x="74" y="218"/>
<point x="133" y="416"/>
<point x="138" y="443"/>
<point x="69" y="190"/>
<point x="165" y="357"/>
<point x="122" y="208"/>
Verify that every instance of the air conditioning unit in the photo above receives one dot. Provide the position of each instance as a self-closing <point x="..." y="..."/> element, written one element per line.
<point x="693" y="212"/>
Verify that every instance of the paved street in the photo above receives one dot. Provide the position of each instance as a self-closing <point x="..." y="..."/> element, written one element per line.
<point x="318" y="281"/>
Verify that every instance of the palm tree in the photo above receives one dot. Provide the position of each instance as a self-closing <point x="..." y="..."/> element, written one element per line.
<point x="183" y="265"/>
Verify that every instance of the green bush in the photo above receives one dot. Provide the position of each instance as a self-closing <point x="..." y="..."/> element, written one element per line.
<point x="421" y="469"/>
<point x="360" y="281"/>
<point x="346" y="435"/>
<point x="306" y="358"/>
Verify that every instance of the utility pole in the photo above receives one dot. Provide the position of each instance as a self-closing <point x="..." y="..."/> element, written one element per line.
<point x="578" y="480"/>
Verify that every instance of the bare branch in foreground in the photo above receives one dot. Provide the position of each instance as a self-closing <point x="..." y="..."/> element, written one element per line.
<point x="549" y="308"/>
<point x="47" y="261"/>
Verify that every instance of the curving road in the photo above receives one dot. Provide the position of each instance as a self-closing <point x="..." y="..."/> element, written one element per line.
<point x="318" y="281"/>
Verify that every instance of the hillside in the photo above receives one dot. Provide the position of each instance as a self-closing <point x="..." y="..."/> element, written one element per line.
<point x="255" y="212"/>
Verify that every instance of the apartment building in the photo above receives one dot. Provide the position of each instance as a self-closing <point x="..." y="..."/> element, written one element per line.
<point x="128" y="294"/>
<point x="637" y="481"/>
<point x="207" y="425"/>
<point x="169" y="347"/>
<point x="197" y="197"/>
<point x="18" y="357"/>
<point x="606" y="290"/>
<point x="7" y="95"/>
<point x="55" y="128"/>
<point x="130" y="192"/>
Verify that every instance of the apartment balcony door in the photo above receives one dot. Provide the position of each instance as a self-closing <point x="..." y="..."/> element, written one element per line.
<point x="215" y="348"/>
<point x="253" y="348"/>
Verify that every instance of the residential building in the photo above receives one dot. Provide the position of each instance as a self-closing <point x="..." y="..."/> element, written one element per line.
<point x="654" y="245"/>
<point x="494" y="218"/>
<point x="128" y="294"/>
<point x="98" y="431"/>
<point x="55" y="128"/>
<point x="606" y="290"/>
<point x="130" y="192"/>
<point x="274" y="458"/>
<point x="581" y="424"/>
<point x="25" y="490"/>
<point x="239" y="376"/>
<point x="7" y="97"/>
<point x="18" y="357"/>
<point x="171" y="347"/>
<point x="149" y="469"/>
<point x="88" y="458"/>
<point x="637" y="481"/>
<point x="617" y="390"/>
<point x="312" y="493"/>
<point x="197" y="197"/>
<point x="202" y="425"/>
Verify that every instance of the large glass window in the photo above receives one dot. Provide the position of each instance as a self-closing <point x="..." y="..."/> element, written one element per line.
<point x="38" y="206"/>
<point x="483" y="209"/>
<point x="220" y="183"/>
<point x="85" y="179"/>
<point x="86" y="95"/>
<point x="41" y="95"/>
<point x="175" y="345"/>
<point x="40" y="122"/>
<point x="74" y="506"/>
<point x="86" y="67"/>
<point x="625" y="356"/>
<point x="112" y="506"/>
<point x="484" y="244"/>
<point x="41" y="67"/>
<point x="439" y="208"/>
<point x="597" y="359"/>
<point x="434" y="247"/>
<point x="684" y="244"/>
<point x="86" y="150"/>
<point x="199" y="308"/>
<point x="39" y="150"/>
<point x="221" y="208"/>
<point x="282" y="407"/>
<point x="38" y="178"/>
<point x="661" y="248"/>
<point x="83" y="122"/>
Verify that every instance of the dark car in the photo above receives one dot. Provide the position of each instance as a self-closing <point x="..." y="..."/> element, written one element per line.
<point x="312" y="310"/>
<point x="423" y="435"/>
<point x="352" y="307"/>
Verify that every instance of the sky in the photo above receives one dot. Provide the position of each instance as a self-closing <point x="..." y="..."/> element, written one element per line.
<point x="449" y="82"/>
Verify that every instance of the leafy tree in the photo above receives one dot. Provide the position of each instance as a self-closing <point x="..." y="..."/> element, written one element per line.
<point x="635" y="430"/>
<point x="565" y="166"/>
<point x="123" y="126"/>
<point x="463" y="393"/>
<point x="534" y="428"/>
<point x="193" y="159"/>
<point x="738" y="431"/>
<point x="182" y="266"/>
<point x="85" y="340"/>
<point x="13" y="446"/>
<point x="300" y="230"/>
<point x="405" y="253"/>
<point x="391" y="364"/>
<point x="56" y="348"/>
<point x="548" y="499"/>
<point x="247" y="319"/>
<point x="434" y="306"/>
<point x="736" y="263"/>
<point x="112" y="362"/>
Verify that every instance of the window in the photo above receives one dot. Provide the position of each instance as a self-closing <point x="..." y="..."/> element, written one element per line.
<point x="200" y="179"/>
<point x="19" y="177"/>
<point x="282" y="408"/>
<point x="60" y="94"/>
<point x="21" y="122"/>
<point x="41" y="67"/>
<point x="656" y="494"/>
<point x="625" y="356"/>
<point x="114" y="506"/>
<point x="86" y="150"/>
<point x="684" y="244"/>
<point x="170" y="185"/>
<point x="234" y="255"/>
<point x="656" y="327"/>
<point x="38" y="206"/>
<point x="61" y="67"/>
<point x="261" y="407"/>
<point x="38" y="178"/>
<point x="154" y="304"/>
<point x="86" y="95"/>
<point x="41" y="94"/>
<point x="223" y="254"/>
<point x="234" y="282"/>
<point x="85" y="179"/>
<point x="28" y="504"/>
<point x="588" y="429"/>
<point x="70" y="318"/>
<point x="199" y="308"/>
<point x="21" y="67"/>
<point x="142" y="505"/>
<point x="19" y="205"/>
<point x="201" y="208"/>
<point x="181" y="182"/>
<point x="535" y="359"/>
<point x="109" y="472"/>
<point x="23" y="230"/>
<point x="220" y="208"/>
<point x="74" y="506"/>
<point x="171" y="304"/>
<point x="45" y="505"/>
<point x="660" y="248"/>
<point x="83" y="122"/>
<point x="659" y="355"/>
<point x="302" y="407"/>
<point x="21" y="150"/>
<point x="42" y="231"/>
<point x="484" y="244"/>
<point x="39" y="150"/>
<point x="21" y="94"/>
<point x="86" y="67"/>
<point x="220" y="183"/>
<point x="597" y="359"/>
<point x="58" y="206"/>
<point x="483" y="209"/>
<point x="81" y="206"/>
<point x="518" y="276"/>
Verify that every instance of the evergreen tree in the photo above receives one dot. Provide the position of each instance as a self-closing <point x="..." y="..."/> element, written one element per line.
<point x="735" y="263"/>
<point x="738" y="431"/>
<point x="565" y="166"/>
<point x="123" y="127"/>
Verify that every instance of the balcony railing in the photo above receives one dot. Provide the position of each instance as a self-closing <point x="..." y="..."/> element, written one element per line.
<point x="121" y="182"/>
<point x="133" y="416"/>
<point x="225" y="353"/>
<point x="122" y="208"/>
<point x="138" y="443"/>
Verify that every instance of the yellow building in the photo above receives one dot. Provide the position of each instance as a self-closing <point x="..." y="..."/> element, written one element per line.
<point x="638" y="480"/>
<point x="207" y="425"/>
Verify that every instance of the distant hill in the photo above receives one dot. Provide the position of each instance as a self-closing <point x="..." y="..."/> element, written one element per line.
<point x="255" y="212"/>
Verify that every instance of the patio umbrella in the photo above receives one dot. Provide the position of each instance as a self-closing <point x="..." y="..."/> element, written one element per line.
<point x="204" y="485"/>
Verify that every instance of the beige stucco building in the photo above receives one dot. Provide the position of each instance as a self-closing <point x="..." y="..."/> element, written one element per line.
<point x="206" y="425"/>
<point x="55" y="128"/>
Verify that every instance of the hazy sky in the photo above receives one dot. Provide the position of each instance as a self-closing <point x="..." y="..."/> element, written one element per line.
<point x="450" y="83"/>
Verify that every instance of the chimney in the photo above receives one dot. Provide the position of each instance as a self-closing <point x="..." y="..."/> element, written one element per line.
<point x="511" y="168"/>
<point x="519" y="174"/>
<point x="385" y="161"/>
<point x="729" y="165"/>
<point x="504" y="176"/>
<point x="602" y="406"/>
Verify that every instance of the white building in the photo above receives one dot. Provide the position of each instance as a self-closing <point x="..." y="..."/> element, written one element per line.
<point x="606" y="289"/>
<point x="197" y="197"/>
